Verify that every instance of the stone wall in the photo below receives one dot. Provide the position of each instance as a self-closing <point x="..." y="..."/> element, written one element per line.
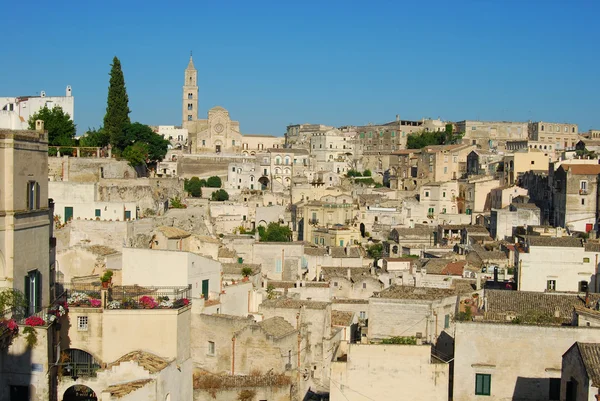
<point x="84" y="169"/>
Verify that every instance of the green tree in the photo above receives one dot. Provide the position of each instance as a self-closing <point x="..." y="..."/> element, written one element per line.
<point x="353" y="173"/>
<point x="95" y="138"/>
<point x="275" y="233"/>
<point x="136" y="154"/>
<point x="157" y="145"/>
<point x="116" y="119"/>
<point x="60" y="127"/>
<point x="193" y="187"/>
<point x="375" y="250"/>
<point x="213" y="182"/>
<point x="220" y="195"/>
<point x="367" y="173"/>
<point x="175" y="203"/>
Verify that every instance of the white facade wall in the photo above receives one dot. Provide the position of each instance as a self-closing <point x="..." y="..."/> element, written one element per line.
<point x="520" y="358"/>
<point x="17" y="110"/>
<point x="173" y="133"/>
<point x="170" y="268"/>
<point x="389" y="372"/>
<point x="566" y="266"/>
<point x="82" y="198"/>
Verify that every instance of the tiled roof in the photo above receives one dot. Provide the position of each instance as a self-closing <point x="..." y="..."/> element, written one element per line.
<point x="340" y="318"/>
<point x="417" y="293"/>
<point x="349" y="301"/>
<point x="226" y="253"/>
<point x="236" y="268"/>
<point x="592" y="247"/>
<point x="173" y="232"/>
<point x="101" y="250"/>
<point x="567" y="242"/>
<point x="313" y="251"/>
<point x="543" y="307"/>
<point x="289" y="303"/>
<point x="582" y="169"/>
<point x="330" y="272"/>
<point x="590" y="355"/>
<point x="276" y="326"/>
<point x="340" y="252"/>
<point x="146" y="360"/>
<point x="455" y="268"/>
<point x="436" y="265"/>
<point x="122" y="389"/>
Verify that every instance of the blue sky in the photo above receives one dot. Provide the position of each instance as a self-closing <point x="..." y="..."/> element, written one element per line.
<point x="331" y="62"/>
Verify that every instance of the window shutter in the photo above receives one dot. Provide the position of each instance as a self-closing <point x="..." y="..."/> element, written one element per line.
<point x="27" y="294"/>
<point x="37" y="196"/>
<point x="38" y="291"/>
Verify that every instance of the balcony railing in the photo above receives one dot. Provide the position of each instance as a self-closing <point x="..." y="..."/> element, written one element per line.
<point x="128" y="297"/>
<point x="583" y="192"/>
<point x="314" y="221"/>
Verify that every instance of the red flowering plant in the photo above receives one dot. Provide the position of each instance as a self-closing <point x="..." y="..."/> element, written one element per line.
<point x="147" y="302"/>
<point x="10" y="325"/>
<point x="181" y="303"/>
<point x="34" y="321"/>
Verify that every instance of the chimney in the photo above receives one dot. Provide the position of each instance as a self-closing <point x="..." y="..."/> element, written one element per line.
<point x="39" y="125"/>
<point x="349" y="274"/>
<point x="495" y="274"/>
<point x="397" y="117"/>
<point x="477" y="281"/>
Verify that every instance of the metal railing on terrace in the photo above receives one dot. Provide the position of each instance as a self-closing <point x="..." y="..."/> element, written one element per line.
<point x="128" y="297"/>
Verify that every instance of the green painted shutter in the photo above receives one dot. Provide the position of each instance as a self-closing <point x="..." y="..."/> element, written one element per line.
<point x="38" y="291"/>
<point x="27" y="294"/>
<point x="205" y="288"/>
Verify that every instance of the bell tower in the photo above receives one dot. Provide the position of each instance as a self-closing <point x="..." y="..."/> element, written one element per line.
<point x="190" y="93"/>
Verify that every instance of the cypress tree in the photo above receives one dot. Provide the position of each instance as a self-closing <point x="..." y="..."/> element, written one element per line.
<point x="117" y="109"/>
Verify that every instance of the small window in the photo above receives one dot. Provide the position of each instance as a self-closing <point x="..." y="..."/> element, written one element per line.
<point x="532" y="162"/>
<point x="189" y="117"/>
<point x="427" y="194"/>
<point x="335" y="283"/>
<point x="446" y="321"/>
<point x="390" y="281"/>
<point x="362" y="314"/>
<point x="551" y="285"/>
<point x="583" y="201"/>
<point x="364" y="285"/>
<point x="211" y="348"/>
<point x="232" y="169"/>
<point x="82" y="323"/>
<point x="586" y="260"/>
<point x="33" y="195"/>
<point x="203" y="142"/>
<point x="97" y="212"/>
<point x="483" y="384"/>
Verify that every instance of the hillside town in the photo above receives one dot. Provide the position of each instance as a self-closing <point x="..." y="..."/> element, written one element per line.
<point x="409" y="259"/>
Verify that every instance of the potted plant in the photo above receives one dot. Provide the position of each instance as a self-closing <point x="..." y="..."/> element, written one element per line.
<point x="246" y="271"/>
<point x="106" y="278"/>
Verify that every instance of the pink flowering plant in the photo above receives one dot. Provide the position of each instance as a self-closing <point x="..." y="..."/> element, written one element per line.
<point x="95" y="303"/>
<point x="34" y="321"/>
<point x="147" y="302"/>
<point x="9" y="324"/>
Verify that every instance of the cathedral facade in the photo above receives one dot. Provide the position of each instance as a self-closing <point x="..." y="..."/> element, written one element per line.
<point x="218" y="133"/>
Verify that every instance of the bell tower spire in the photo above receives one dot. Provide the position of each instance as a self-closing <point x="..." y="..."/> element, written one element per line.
<point x="190" y="93"/>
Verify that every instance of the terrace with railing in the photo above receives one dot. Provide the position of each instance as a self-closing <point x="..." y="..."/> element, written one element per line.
<point x="127" y="297"/>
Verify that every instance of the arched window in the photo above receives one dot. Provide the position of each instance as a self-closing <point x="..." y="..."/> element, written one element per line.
<point x="287" y="160"/>
<point x="277" y="160"/>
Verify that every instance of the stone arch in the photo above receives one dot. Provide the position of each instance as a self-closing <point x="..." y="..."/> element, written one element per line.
<point x="262" y="223"/>
<point x="264" y="182"/>
<point x="79" y="392"/>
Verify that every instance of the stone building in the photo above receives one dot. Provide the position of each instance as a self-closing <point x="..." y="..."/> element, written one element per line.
<point x="489" y="357"/>
<point x="521" y="161"/>
<point x="555" y="264"/>
<point x="575" y="197"/>
<point x="26" y="217"/>
<point x="218" y="133"/>
<point x="562" y="136"/>
<point x="299" y="135"/>
<point x="15" y="111"/>
<point x="580" y="372"/>
<point x="491" y="134"/>
<point x="389" y="372"/>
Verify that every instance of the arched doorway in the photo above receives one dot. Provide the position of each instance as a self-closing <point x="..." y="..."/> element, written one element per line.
<point x="264" y="182"/>
<point x="79" y="392"/>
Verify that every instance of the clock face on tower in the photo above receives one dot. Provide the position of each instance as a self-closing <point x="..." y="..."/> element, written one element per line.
<point x="219" y="128"/>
